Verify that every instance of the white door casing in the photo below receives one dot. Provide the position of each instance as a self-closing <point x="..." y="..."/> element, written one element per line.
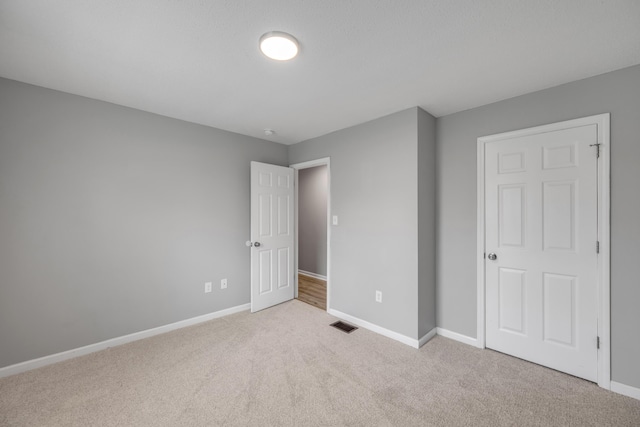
<point x="272" y="235"/>
<point x="325" y="161"/>
<point x="544" y="296"/>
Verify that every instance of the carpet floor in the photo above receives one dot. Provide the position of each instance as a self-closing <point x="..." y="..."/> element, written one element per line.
<point x="286" y="367"/>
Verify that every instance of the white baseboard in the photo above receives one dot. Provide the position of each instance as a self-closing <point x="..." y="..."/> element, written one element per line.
<point x="427" y="337"/>
<point x="457" y="337"/>
<point x="380" y="330"/>
<point x="310" y="274"/>
<point x="92" y="348"/>
<point x="616" y="387"/>
<point x="627" y="390"/>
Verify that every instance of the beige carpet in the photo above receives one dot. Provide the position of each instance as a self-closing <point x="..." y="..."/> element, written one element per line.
<point x="286" y="366"/>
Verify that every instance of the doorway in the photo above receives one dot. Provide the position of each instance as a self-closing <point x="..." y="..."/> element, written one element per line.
<point x="312" y="232"/>
<point x="543" y="246"/>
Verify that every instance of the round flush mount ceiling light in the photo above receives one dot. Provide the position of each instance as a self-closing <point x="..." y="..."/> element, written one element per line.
<point x="279" y="46"/>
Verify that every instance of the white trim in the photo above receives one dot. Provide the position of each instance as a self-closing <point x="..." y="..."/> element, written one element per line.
<point x="602" y="121"/>
<point x="92" y="348"/>
<point x="382" y="331"/>
<point x="305" y="165"/>
<point x="457" y="337"/>
<point x="314" y="275"/>
<point x="311" y="163"/>
<point x="427" y="337"/>
<point x="480" y="251"/>
<point x="626" y="390"/>
<point x="604" y="225"/>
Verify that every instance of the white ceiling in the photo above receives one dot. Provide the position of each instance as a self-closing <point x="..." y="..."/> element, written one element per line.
<point x="198" y="60"/>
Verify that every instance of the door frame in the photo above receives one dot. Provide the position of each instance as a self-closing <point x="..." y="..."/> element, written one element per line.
<point x="325" y="161"/>
<point x="602" y="121"/>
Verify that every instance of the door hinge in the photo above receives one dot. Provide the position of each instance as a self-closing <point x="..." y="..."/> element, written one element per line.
<point x="598" y="342"/>
<point x="485" y="255"/>
<point x="597" y="148"/>
<point x="597" y="247"/>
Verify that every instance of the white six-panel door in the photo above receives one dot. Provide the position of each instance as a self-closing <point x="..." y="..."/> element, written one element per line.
<point x="272" y="235"/>
<point x="541" y="213"/>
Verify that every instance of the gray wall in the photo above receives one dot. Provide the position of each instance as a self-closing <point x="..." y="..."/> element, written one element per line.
<point x="426" y="159"/>
<point x="374" y="186"/>
<point x="617" y="93"/>
<point x="312" y="220"/>
<point x="112" y="219"/>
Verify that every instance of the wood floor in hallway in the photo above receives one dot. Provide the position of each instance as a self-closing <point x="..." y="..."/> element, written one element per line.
<point x="312" y="291"/>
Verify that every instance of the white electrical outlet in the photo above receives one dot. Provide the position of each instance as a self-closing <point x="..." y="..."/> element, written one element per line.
<point x="378" y="296"/>
<point x="223" y="284"/>
<point x="207" y="287"/>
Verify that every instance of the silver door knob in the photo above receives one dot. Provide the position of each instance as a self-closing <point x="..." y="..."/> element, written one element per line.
<point x="493" y="256"/>
<point x="249" y="243"/>
<point x="257" y="244"/>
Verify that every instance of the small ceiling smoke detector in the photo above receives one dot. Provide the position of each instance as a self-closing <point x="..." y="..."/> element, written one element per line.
<point x="269" y="132"/>
<point x="279" y="46"/>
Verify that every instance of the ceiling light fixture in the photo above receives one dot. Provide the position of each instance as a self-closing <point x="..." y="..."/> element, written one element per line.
<point x="279" y="46"/>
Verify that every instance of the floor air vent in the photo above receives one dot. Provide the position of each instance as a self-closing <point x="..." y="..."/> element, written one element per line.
<point x="344" y="327"/>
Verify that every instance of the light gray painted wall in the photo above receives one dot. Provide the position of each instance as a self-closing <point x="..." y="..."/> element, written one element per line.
<point x="112" y="219"/>
<point x="426" y="222"/>
<point x="374" y="187"/>
<point x="312" y="220"/>
<point x="617" y="93"/>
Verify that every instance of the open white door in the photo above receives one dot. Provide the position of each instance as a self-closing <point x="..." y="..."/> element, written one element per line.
<point x="272" y="235"/>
